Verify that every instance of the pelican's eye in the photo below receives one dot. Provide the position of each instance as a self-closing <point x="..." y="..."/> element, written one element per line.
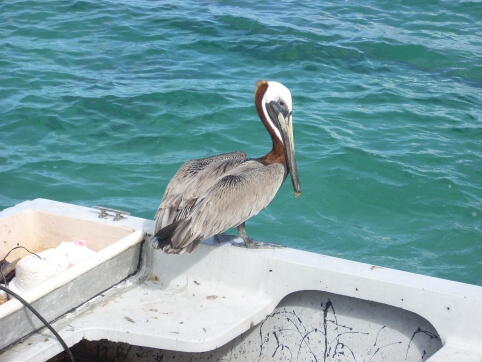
<point x="283" y="105"/>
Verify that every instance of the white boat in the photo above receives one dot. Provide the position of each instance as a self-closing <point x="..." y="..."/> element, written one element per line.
<point x="223" y="302"/>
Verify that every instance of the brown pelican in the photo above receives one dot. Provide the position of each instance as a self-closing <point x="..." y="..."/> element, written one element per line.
<point x="207" y="196"/>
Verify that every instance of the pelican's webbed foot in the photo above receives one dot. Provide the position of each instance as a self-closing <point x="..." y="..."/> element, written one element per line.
<point x="251" y="244"/>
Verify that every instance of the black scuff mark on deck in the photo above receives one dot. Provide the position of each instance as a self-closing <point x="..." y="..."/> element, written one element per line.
<point x="325" y="326"/>
<point x="277" y="342"/>
<point x="417" y="331"/>
<point x="292" y="320"/>
<point x="376" y="338"/>
<point x="286" y="334"/>
<point x="337" y="339"/>
<point x="381" y="347"/>
<point x="293" y="323"/>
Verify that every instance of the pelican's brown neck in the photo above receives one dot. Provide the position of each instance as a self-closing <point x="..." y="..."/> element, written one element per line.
<point x="277" y="153"/>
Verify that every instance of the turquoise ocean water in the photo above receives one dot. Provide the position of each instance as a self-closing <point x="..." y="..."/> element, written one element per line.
<point x="102" y="101"/>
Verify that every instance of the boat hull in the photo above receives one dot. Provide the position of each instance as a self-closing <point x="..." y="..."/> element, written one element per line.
<point x="266" y="304"/>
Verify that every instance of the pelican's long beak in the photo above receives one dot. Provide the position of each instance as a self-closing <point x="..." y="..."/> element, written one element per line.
<point x="283" y="120"/>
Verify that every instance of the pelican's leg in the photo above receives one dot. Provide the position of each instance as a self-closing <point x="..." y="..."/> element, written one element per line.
<point x="242" y="234"/>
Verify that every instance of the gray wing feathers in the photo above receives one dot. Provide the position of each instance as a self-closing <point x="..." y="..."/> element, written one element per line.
<point x="237" y="196"/>
<point x="192" y="179"/>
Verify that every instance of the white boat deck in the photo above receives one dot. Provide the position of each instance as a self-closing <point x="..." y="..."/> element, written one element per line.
<point x="200" y="302"/>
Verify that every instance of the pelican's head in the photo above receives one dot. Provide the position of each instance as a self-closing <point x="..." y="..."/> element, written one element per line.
<point x="276" y="107"/>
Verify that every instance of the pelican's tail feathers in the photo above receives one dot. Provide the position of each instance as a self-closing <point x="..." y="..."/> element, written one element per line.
<point x="163" y="240"/>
